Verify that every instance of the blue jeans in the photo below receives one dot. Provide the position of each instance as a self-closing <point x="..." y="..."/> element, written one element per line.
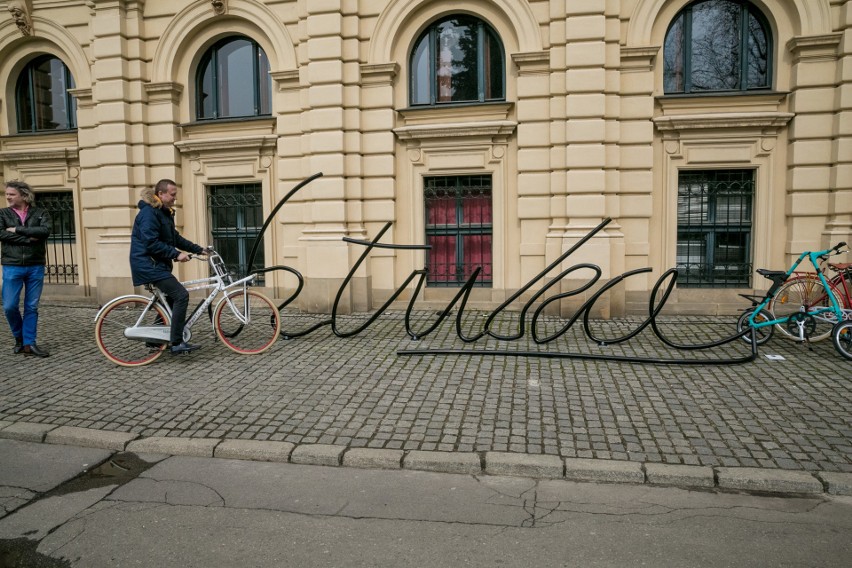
<point x="16" y="278"/>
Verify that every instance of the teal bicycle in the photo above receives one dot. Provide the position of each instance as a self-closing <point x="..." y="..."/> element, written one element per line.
<point x="758" y="322"/>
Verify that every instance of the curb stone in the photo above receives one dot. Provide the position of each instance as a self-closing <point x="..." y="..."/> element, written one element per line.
<point x="373" y="458"/>
<point x="444" y="462"/>
<point x="257" y="450"/>
<point x="196" y="447"/>
<point x="836" y="483"/>
<point x="496" y="463"/>
<point x="770" y="480"/>
<point x="26" y="431"/>
<point x="89" y="438"/>
<point x="584" y="469"/>
<point x="679" y="475"/>
<point x="317" y="454"/>
<point x="523" y="465"/>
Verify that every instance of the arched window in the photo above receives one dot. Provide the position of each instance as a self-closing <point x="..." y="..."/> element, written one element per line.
<point x="717" y="45"/>
<point x="233" y="81"/>
<point x="458" y="59"/>
<point x="42" y="97"/>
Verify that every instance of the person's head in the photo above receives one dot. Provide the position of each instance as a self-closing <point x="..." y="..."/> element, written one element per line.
<point x="19" y="194"/>
<point x="166" y="191"/>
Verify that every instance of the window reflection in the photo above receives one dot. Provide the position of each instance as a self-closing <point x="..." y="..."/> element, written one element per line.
<point x="717" y="45"/>
<point x="457" y="59"/>
<point x="233" y="81"/>
<point x="42" y="97"/>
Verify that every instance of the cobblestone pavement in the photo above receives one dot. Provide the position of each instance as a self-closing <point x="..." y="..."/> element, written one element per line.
<point x="359" y="392"/>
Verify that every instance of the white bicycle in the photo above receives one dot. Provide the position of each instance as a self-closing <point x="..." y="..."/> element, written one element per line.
<point x="133" y="330"/>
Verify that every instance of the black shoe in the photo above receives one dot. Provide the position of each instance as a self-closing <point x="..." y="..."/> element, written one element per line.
<point x="183" y="348"/>
<point x="35" y="350"/>
<point x="19" y="345"/>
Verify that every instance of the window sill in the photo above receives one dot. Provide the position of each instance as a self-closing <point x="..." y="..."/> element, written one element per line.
<point x="764" y="109"/>
<point x="491" y="120"/>
<point x="764" y="101"/>
<point x="39" y="145"/>
<point x="469" y="112"/>
<point x="212" y="124"/>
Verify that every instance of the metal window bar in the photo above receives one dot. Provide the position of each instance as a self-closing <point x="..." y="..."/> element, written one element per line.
<point x="459" y="229"/>
<point x="236" y="216"/>
<point x="714" y="229"/>
<point x="61" y="266"/>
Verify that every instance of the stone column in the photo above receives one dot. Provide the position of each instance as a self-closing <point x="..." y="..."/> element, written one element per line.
<point x="378" y="170"/>
<point x="839" y="226"/>
<point x="636" y="168"/>
<point x="326" y="260"/>
<point x="112" y="161"/>
<point x="589" y="167"/>
<point x="812" y="150"/>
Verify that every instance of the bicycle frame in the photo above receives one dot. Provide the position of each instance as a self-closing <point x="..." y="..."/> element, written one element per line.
<point x="831" y="314"/>
<point x="220" y="282"/>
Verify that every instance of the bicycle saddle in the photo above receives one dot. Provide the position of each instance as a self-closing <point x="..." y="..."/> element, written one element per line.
<point x="777" y="276"/>
<point x="840" y="266"/>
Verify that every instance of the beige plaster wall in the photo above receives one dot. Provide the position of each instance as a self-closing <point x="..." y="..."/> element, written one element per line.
<point x="585" y="134"/>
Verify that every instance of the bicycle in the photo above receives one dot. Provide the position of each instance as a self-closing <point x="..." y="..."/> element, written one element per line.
<point x="133" y="330"/>
<point x="801" y="323"/>
<point x="805" y="290"/>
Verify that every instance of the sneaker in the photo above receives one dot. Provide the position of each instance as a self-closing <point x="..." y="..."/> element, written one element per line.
<point x="183" y="348"/>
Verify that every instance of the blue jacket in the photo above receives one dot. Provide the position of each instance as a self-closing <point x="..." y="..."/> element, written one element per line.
<point x="154" y="244"/>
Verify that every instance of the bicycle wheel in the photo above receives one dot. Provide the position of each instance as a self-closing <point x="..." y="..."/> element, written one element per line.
<point x="802" y="294"/>
<point x="121" y="314"/>
<point x="247" y="322"/>
<point x="764" y="334"/>
<point x="842" y="338"/>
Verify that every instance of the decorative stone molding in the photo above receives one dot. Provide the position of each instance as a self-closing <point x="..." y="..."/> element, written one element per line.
<point x="245" y="144"/>
<point x="813" y="48"/>
<point x="723" y="120"/>
<point x="40" y="155"/>
<point x="532" y="62"/>
<point x="20" y="10"/>
<point x="457" y="130"/>
<point x="286" y="80"/>
<point x="220" y="7"/>
<point x="166" y="91"/>
<point x="635" y="59"/>
<point x="83" y="96"/>
<point x="377" y="74"/>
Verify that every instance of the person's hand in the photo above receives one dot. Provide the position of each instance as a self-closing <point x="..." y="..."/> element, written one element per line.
<point x="182" y="257"/>
<point x="10" y="229"/>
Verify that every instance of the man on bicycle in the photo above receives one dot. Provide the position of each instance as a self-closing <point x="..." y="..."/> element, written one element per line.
<point x="154" y="244"/>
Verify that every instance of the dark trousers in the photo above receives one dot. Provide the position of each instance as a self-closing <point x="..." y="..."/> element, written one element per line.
<point x="178" y="299"/>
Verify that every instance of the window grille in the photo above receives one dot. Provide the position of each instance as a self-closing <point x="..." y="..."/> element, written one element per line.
<point x="61" y="265"/>
<point x="236" y="216"/>
<point x="458" y="228"/>
<point x="714" y="231"/>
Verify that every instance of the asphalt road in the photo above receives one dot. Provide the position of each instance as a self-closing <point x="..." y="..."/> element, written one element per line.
<point x="68" y="506"/>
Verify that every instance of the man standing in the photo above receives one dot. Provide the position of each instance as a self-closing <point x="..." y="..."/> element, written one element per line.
<point x="154" y="244"/>
<point x="24" y="229"/>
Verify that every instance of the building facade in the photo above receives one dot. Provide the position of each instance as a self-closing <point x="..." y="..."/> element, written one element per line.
<point x="716" y="134"/>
